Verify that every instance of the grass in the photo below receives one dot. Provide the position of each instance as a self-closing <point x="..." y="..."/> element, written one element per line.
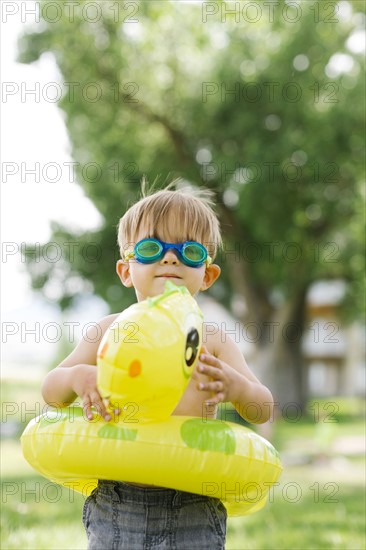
<point x="318" y="504"/>
<point x="312" y="508"/>
<point x="36" y="514"/>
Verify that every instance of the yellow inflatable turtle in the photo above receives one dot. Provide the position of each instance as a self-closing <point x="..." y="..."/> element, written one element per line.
<point x="145" y="361"/>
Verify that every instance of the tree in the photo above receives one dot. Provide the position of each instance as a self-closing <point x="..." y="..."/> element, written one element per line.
<point x="263" y="107"/>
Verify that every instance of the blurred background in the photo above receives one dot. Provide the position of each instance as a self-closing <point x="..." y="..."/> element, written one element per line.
<point x="263" y="103"/>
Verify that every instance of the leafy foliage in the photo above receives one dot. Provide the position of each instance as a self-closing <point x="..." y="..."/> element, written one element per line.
<point x="263" y="112"/>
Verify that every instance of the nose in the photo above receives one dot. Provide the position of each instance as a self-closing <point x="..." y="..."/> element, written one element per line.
<point x="170" y="258"/>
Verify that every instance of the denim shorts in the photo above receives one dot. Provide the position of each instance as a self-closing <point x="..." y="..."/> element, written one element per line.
<point x="121" y="516"/>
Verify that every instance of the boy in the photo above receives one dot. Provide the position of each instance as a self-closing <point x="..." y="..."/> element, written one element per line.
<point x="168" y="235"/>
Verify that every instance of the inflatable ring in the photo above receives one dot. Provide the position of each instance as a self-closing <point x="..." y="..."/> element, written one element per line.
<point x="194" y="454"/>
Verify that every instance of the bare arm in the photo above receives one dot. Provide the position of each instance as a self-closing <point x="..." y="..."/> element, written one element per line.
<point x="233" y="381"/>
<point x="77" y="374"/>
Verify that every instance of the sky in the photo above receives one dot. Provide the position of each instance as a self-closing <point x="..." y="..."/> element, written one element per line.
<point x="32" y="131"/>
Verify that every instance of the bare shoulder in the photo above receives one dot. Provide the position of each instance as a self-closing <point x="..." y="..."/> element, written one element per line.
<point x="86" y="350"/>
<point x="219" y="342"/>
<point x="106" y="322"/>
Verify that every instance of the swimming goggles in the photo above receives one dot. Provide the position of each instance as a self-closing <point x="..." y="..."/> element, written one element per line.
<point x="152" y="250"/>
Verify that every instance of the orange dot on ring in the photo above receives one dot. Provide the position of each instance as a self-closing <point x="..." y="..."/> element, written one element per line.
<point x="103" y="350"/>
<point x="135" y="368"/>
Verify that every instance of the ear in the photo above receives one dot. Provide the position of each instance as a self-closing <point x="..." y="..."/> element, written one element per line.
<point x="123" y="271"/>
<point x="212" y="273"/>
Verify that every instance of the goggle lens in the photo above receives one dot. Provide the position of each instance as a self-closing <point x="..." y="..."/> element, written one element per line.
<point x="148" y="249"/>
<point x="195" y="253"/>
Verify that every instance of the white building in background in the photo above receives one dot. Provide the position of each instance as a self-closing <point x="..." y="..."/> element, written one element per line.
<point x="334" y="353"/>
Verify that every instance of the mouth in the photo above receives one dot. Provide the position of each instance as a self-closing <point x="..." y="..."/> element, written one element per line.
<point x="168" y="276"/>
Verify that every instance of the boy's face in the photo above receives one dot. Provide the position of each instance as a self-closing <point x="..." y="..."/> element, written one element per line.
<point x="149" y="279"/>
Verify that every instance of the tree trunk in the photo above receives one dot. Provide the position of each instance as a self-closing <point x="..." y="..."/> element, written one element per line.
<point x="279" y="358"/>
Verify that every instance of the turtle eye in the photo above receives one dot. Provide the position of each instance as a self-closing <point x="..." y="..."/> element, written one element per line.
<point x="192" y="346"/>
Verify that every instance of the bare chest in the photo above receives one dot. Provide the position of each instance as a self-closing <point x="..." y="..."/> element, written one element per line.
<point x="193" y="401"/>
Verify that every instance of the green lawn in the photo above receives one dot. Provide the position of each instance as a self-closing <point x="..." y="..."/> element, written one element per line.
<point x="312" y="508"/>
<point x="319" y="502"/>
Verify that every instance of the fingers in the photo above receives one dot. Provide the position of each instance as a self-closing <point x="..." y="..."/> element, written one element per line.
<point x="209" y="359"/>
<point x="212" y="372"/>
<point x="216" y="386"/>
<point x="94" y="401"/>
<point x="216" y="399"/>
<point x="213" y="368"/>
<point x="87" y="408"/>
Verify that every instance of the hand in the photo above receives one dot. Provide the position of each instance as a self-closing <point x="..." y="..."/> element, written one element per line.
<point x="85" y="386"/>
<point x="221" y="377"/>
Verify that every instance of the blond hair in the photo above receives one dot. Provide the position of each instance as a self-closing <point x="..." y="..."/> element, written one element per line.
<point x="185" y="214"/>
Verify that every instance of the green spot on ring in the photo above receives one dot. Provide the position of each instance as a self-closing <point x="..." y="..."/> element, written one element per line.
<point x="211" y="435"/>
<point x="112" y="432"/>
<point x="52" y="417"/>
